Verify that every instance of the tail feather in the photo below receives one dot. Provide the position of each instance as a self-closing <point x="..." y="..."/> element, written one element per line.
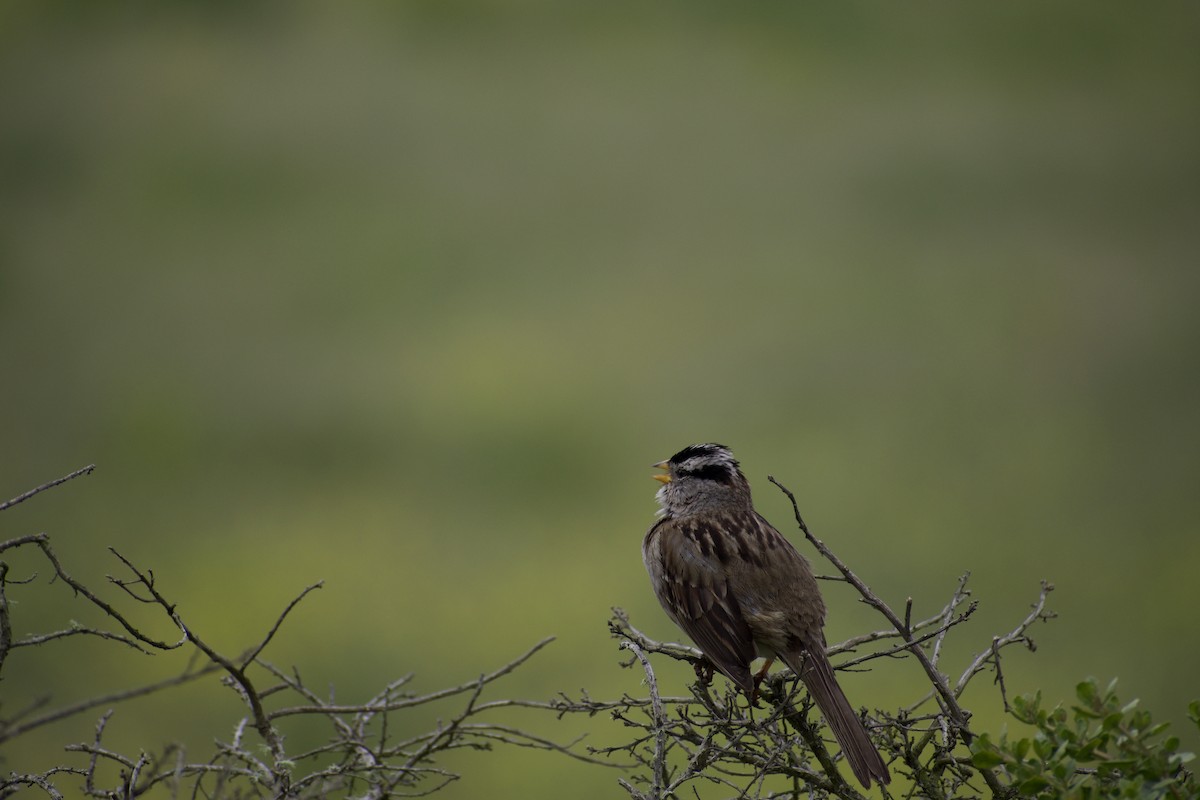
<point x="817" y="673"/>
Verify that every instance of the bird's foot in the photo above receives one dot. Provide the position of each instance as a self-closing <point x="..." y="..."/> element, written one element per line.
<point x="759" y="677"/>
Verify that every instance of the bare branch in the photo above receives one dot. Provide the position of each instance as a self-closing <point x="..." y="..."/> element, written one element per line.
<point x="9" y="731"/>
<point x="1017" y="634"/>
<point x="961" y="593"/>
<point x="413" y="701"/>
<point x="21" y="498"/>
<point x="355" y="758"/>
<point x="253" y="654"/>
<point x="40" y="781"/>
<point x="5" y="622"/>
<point x="79" y="630"/>
<point x="43" y="542"/>
<point x="910" y="641"/>
<point x="659" y="769"/>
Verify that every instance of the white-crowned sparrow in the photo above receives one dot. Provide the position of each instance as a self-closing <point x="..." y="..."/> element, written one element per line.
<point x="739" y="589"/>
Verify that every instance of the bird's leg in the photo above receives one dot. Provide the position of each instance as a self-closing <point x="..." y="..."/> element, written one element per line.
<point x="759" y="677"/>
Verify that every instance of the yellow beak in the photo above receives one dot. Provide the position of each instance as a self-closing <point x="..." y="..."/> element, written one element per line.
<point x="664" y="478"/>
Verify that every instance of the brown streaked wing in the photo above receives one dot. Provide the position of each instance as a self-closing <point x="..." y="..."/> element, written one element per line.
<point x="693" y="587"/>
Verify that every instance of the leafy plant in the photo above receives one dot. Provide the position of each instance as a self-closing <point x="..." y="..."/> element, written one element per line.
<point x="1101" y="748"/>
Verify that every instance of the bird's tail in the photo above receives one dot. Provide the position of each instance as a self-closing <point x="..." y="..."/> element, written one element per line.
<point x="817" y="673"/>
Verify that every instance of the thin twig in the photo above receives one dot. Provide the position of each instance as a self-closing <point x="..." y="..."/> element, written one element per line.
<point x="910" y="641"/>
<point x="40" y="781"/>
<point x="21" y="498"/>
<point x="1017" y="634"/>
<point x="42" y="638"/>
<point x="13" y="731"/>
<point x="961" y="592"/>
<point x="43" y="542"/>
<point x="253" y="654"/>
<point x="412" y="701"/>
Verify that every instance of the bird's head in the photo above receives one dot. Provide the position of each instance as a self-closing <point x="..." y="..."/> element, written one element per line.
<point x="700" y="478"/>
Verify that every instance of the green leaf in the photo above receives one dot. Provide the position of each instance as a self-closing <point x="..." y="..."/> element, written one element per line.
<point x="1025" y="707"/>
<point x="1021" y="749"/>
<point x="1033" y="785"/>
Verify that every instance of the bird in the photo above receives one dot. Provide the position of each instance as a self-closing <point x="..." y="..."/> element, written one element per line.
<point x="739" y="589"/>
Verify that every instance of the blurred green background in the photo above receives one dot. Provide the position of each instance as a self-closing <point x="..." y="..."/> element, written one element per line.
<point x="407" y="297"/>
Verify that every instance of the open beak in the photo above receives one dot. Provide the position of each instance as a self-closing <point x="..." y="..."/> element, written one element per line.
<point x="665" y="477"/>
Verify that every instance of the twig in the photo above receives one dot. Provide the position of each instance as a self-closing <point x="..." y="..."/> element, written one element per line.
<point x="412" y="701"/>
<point x="42" y="638"/>
<point x="43" y="543"/>
<point x="1000" y="674"/>
<point x="910" y="641"/>
<point x="253" y="654"/>
<point x="101" y="723"/>
<point x="13" y="731"/>
<point x="1017" y="634"/>
<point x="960" y="593"/>
<point x="659" y="769"/>
<point x="21" y="498"/>
<point x="40" y="781"/>
<point x="5" y="621"/>
<point x="620" y="627"/>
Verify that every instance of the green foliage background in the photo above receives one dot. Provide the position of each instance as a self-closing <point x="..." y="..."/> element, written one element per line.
<point x="407" y="297"/>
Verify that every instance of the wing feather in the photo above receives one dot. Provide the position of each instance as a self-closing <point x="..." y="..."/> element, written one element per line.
<point x="688" y="579"/>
